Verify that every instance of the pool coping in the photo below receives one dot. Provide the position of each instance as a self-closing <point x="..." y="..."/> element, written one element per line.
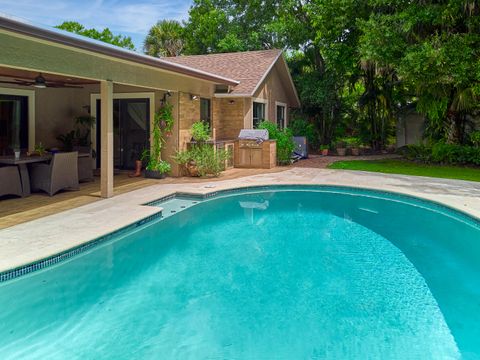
<point x="18" y="271"/>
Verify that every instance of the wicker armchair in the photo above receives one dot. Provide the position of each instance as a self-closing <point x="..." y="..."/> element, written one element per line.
<point x="10" y="183"/>
<point x="61" y="173"/>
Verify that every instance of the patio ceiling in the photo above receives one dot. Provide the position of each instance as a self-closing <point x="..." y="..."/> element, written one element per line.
<point x="10" y="74"/>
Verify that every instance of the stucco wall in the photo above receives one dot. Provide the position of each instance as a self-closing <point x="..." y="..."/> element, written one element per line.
<point x="56" y="109"/>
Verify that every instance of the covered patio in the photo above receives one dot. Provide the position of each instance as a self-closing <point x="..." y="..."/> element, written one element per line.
<point x="61" y="76"/>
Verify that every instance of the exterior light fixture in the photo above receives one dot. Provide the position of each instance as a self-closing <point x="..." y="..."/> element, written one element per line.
<point x="40" y="82"/>
<point x="194" y="97"/>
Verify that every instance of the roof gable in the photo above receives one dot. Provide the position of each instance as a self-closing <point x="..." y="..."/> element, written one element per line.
<point x="250" y="68"/>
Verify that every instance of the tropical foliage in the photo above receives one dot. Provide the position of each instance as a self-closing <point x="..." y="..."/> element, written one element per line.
<point x="358" y="64"/>
<point x="163" y="121"/>
<point x="165" y="39"/>
<point x="105" y="35"/>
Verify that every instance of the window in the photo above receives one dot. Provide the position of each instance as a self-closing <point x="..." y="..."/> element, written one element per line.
<point x="206" y="111"/>
<point x="281" y="116"/>
<point x="258" y="113"/>
<point x="13" y="123"/>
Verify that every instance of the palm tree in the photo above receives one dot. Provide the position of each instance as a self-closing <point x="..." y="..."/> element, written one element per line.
<point x="165" y="39"/>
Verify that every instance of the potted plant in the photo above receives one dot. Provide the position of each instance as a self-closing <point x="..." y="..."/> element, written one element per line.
<point x="40" y="149"/>
<point x="158" y="170"/>
<point x="201" y="158"/>
<point x="79" y="139"/>
<point x="188" y="161"/>
<point x="193" y="157"/>
<point x="324" y="150"/>
<point x="341" y="148"/>
<point x="354" y="145"/>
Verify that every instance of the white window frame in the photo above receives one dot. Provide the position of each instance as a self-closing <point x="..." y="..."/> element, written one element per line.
<point x="262" y="101"/>
<point x="284" y="105"/>
<point x="31" y="111"/>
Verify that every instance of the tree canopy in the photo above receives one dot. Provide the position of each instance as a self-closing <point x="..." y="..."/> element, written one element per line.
<point x="105" y="35"/>
<point x="357" y="64"/>
<point x="434" y="47"/>
<point x="165" y="38"/>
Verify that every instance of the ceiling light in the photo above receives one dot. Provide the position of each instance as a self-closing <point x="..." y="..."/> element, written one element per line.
<point x="40" y="82"/>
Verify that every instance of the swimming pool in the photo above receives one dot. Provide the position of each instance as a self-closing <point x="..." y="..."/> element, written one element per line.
<point x="283" y="272"/>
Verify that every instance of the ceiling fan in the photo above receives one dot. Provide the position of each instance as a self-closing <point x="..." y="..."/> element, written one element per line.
<point x="41" y="83"/>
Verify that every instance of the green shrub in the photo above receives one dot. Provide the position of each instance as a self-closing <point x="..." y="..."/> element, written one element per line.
<point x="285" y="143"/>
<point x="301" y="127"/>
<point x="352" y="141"/>
<point x="200" y="131"/>
<point x="205" y="158"/>
<point x="475" y="138"/>
<point x="443" y="153"/>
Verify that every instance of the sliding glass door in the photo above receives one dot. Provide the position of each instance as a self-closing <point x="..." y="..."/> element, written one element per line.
<point x="131" y="120"/>
<point x="13" y="123"/>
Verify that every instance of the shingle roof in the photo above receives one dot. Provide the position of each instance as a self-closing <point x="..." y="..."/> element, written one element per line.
<point x="249" y="68"/>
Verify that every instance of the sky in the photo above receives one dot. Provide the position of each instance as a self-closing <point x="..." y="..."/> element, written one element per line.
<point x="126" y="17"/>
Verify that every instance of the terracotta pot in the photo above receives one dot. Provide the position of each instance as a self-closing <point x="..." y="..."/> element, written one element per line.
<point x="192" y="169"/>
<point x="355" y="151"/>
<point x="325" y="152"/>
<point x="138" y="169"/>
<point x="341" y="151"/>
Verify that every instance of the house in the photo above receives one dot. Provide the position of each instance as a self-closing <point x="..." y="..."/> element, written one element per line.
<point x="49" y="77"/>
<point x="265" y="91"/>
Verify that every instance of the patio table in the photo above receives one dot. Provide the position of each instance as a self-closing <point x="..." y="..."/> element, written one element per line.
<point x="22" y="167"/>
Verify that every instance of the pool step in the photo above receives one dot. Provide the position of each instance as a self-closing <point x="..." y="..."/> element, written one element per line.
<point x="176" y="205"/>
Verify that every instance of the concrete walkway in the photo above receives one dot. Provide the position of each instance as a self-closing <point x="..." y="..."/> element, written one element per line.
<point x="29" y="242"/>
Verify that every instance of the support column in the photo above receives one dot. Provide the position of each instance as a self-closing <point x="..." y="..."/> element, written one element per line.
<point x="106" y="172"/>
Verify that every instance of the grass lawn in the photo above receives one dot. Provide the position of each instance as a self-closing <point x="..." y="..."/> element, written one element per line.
<point x="399" y="166"/>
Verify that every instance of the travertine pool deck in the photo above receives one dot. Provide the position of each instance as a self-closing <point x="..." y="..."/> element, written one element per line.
<point x="38" y="239"/>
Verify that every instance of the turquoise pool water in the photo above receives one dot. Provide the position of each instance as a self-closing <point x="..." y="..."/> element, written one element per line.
<point x="295" y="273"/>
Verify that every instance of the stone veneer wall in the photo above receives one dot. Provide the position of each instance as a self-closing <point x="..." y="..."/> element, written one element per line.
<point x="188" y="113"/>
<point x="228" y="117"/>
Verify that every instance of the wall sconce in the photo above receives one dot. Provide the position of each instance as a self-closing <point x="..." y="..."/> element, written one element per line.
<point x="231" y="102"/>
<point x="164" y="99"/>
<point x="194" y="97"/>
